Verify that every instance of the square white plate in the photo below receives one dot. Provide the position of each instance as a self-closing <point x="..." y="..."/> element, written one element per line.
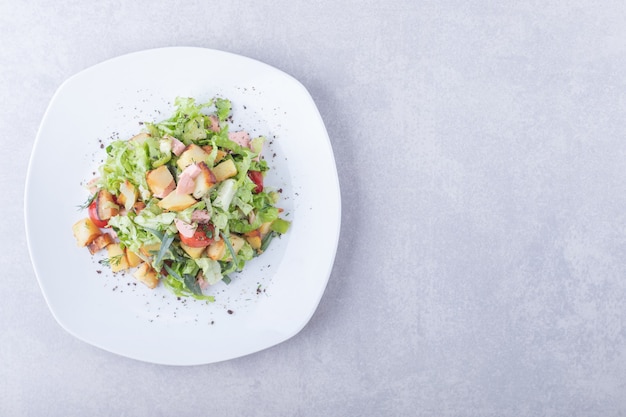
<point x="277" y="293"/>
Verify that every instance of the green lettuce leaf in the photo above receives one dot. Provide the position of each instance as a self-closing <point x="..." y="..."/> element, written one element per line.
<point x="210" y="269"/>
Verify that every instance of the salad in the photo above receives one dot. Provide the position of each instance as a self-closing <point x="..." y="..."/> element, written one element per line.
<point x="183" y="202"/>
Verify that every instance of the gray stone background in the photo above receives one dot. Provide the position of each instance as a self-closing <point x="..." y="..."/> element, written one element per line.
<point x="481" y="154"/>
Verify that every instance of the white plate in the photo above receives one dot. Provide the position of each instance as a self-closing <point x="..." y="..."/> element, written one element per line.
<point x="275" y="296"/>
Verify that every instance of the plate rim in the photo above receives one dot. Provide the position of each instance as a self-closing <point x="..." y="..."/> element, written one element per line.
<point x="192" y="49"/>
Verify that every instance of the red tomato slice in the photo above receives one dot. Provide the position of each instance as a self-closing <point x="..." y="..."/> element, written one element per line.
<point x="93" y="215"/>
<point x="257" y="178"/>
<point x="203" y="237"/>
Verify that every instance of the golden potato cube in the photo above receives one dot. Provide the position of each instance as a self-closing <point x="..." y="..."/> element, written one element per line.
<point x="100" y="243"/>
<point x="216" y="250"/>
<point x="177" y="202"/>
<point x="105" y="205"/>
<point x="192" y="153"/>
<point x="265" y="228"/>
<point x="254" y="239"/>
<point x="160" y="181"/>
<point x="85" y="231"/>
<point x="224" y="170"/>
<point x="147" y="275"/>
<point x="204" y="181"/>
<point x="237" y="243"/>
<point x="194" y="253"/>
<point x="117" y="257"/>
<point x="150" y="250"/>
<point x="132" y="258"/>
<point x="220" y="154"/>
<point x="128" y="195"/>
<point x="141" y="137"/>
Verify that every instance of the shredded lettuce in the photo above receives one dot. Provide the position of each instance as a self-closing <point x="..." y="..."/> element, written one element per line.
<point x="223" y="108"/>
<point x="256" y="144"/>
<point x="210" y="269"/>
<point x="126" y="160"/>
<point x="130" y="235"/>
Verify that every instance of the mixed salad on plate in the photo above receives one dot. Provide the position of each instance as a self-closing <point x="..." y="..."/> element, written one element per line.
<point x="183" y="202"/>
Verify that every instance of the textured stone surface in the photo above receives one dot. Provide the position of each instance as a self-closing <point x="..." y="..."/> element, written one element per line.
<point x="481" y="152"/>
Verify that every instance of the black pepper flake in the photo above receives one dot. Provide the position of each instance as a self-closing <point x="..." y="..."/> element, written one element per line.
<point x="230" y="311"/>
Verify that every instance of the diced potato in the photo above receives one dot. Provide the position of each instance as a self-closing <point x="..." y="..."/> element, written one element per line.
<point x="225" y="169"/>
<point x="254" y="239"/>
<point x="204" y="181"/>
<point x="147" y="275"/>
<point x="177" y="202"/>
<point x="100" y="243"/>
<point x="128" y="195"/>
<point x="140" y="137"/>
<point x="150" y="250"/>
<point x="216" y="250"/>
<point x="105" y="205"/>
<point x="192" y="153"/>
<point x="132" y="258"/>
<point x="117" y="257"/>
<point x="139" y="206"/>
<point x="160" y="181"/>
<point x="85" y="231"/>
<point x="237" y="243"/>
<point x="265" y="228"/>
<point x="195" y="253"/>
<point x="220" y="154"/>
